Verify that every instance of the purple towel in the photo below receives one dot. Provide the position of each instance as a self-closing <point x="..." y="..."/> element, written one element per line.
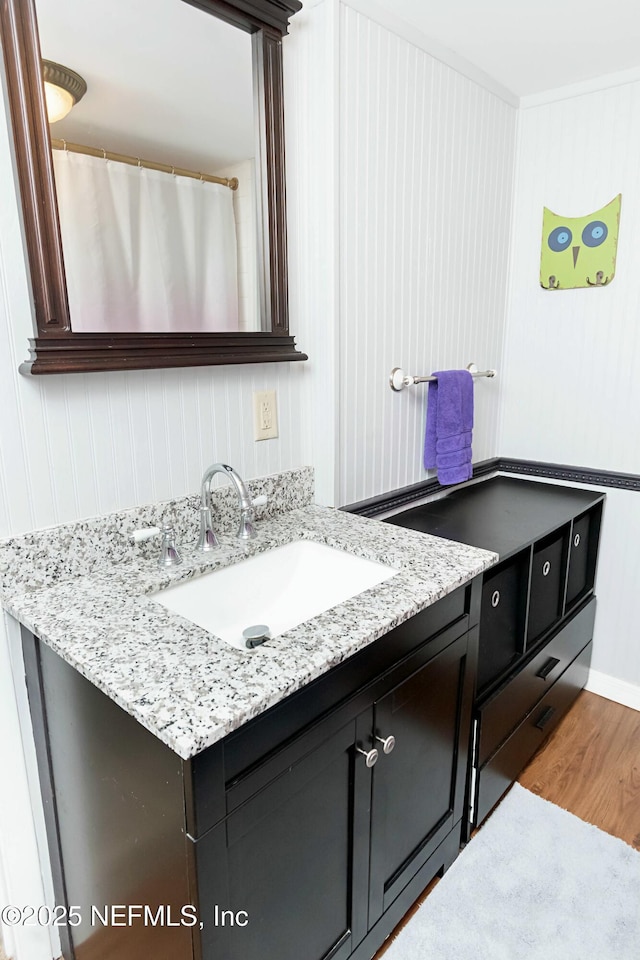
<point x="447" y="443"/>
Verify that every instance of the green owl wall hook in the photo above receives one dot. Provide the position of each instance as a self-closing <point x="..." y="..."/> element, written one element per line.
<point x="579" y="251"/>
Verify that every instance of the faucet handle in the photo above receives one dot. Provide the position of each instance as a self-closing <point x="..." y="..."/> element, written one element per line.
<point x="246" y="530"/>
<point x="169" y="554"/>
<point x="208" y="539"/>
<point x="144" y="533"/>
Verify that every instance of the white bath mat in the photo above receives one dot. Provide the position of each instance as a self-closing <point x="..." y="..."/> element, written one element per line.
<point x="535" y="883"/>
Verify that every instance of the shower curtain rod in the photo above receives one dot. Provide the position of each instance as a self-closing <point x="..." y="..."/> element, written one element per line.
<point x="231" y="182"/>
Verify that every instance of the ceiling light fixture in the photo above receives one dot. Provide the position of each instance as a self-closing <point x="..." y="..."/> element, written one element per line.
<point x="62" y="89"/>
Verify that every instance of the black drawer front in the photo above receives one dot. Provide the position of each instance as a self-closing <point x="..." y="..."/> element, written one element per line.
<point x="508" y="706"/>
<point x="582" y="555"/>
<point x="547" y="584"/>
<point x="505" y="765"/>
<point x="504" y="593"/>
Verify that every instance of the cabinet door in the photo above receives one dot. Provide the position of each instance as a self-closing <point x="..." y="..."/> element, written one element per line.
<point x="293" y="859"/>
<point x="418" y="788"/>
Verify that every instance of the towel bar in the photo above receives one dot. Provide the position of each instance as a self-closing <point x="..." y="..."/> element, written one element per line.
<point x="398" y="379"/>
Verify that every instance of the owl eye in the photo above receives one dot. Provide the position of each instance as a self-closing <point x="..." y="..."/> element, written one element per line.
<point x="594" y="233"/>
<point x="560" y="238"/>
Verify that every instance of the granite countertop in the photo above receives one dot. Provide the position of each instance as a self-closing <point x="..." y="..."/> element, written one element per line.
<point x="187" y="686"/>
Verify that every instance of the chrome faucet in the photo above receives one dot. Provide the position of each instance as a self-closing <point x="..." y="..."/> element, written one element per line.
<point x="246" y="531"/>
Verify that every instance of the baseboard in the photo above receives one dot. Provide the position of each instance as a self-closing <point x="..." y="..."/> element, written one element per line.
<point x="621" y="691"/>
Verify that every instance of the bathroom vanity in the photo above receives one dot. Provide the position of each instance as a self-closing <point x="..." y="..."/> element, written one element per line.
<point x="295" y="799"/>
<point x="292" y="800"/>
<point x="293" y="829"/>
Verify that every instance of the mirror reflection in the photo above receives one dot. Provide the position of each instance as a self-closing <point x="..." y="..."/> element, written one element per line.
<point x="154" y="167"/>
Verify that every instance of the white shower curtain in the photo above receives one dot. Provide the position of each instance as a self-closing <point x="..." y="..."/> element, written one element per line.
<point x="145" y="251"/>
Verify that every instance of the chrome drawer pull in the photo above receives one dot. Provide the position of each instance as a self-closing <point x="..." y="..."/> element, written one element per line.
<point x="546" y="669"/>
<point x="546" y="567"/>
<point x="495" y="599"/>
<point x="388" y="743"/>
<point x="370" y="756"/>
<point x="576" y="540"/>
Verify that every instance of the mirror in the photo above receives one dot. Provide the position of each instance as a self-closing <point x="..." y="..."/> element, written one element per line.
<point x="155" y="140"/>
<point x="146" y="248"/>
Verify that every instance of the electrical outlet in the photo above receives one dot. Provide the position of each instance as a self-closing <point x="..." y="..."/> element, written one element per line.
<point x="265" y="415"/>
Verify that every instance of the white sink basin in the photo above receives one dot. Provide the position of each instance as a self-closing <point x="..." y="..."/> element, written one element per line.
<point x="281" y="588"/>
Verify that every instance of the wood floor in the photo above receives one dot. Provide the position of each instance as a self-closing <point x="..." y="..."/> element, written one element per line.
<point x="590" y="766"/>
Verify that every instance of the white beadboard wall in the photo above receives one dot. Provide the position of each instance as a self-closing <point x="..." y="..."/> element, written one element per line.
<point x="572" y="390"/>
<point x="426" y="162"/>
<point x="311" y="97"/>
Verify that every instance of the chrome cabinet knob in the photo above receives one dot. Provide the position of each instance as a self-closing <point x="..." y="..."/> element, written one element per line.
<point x="388" y="743"/>
<point x="495" y="599"/>
<point x="370" y="756"/>
<point x="546" y="567"/>
<point x="576" y="540"/>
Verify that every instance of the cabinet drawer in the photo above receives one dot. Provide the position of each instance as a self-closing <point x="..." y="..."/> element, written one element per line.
<point x="504" y="593"/>
<point x="509" y="705"/>
<point x="583" y="554"/>
<point x="503" y="768"/>
<point x="547" y="584"/>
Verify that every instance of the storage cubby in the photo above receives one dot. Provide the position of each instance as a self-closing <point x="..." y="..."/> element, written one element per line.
<point x="546" y="590"/>
<point x="583" y="553"/>
<point x="502" y="618"/>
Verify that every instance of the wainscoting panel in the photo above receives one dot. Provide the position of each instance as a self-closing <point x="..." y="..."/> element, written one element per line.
<point x="426" y="163"/>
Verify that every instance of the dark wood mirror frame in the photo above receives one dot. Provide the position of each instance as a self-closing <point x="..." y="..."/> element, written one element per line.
<point x="56" y="348"/>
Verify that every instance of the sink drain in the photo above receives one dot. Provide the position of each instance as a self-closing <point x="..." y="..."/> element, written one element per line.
<point x="256" y="634"/>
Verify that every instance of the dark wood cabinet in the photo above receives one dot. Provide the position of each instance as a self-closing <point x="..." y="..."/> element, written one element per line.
<point x="336" y="837"/>
<point x="290" y="836"/>
<point x="418" y="788"/>
<point x="293" y="860"/>
<point x="536" y="618"/>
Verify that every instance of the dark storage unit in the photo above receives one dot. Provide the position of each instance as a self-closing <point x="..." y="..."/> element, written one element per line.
<point x="286" y="837"/>
<point x="504" y="709"/>
<point x="501" y="770"/>
<point x="537" y="614"/>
